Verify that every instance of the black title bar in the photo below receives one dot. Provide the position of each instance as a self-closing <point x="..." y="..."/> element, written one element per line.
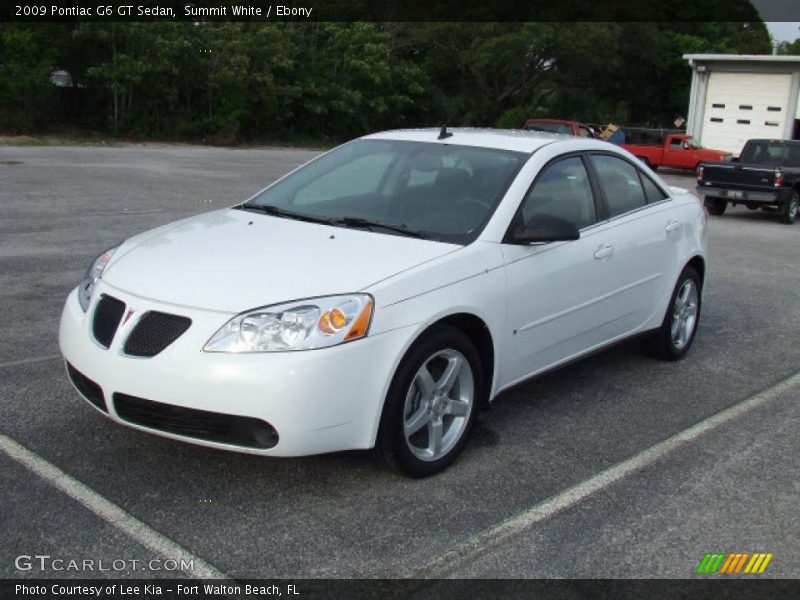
<point x="369" y="589"/>
<point x="400" y="10"/>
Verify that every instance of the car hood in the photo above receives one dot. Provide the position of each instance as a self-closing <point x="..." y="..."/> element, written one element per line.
<point x="233" y="260"/>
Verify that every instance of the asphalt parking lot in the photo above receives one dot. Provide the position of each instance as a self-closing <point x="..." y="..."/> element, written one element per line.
<point x="615" y="466"/>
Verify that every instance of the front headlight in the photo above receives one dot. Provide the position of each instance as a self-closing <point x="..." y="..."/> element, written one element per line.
<point x="301" y="325"/>
<point x="86" y="286"/>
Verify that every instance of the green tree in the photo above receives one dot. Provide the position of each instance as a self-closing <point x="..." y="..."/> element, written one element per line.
<point x="27" y="60"/>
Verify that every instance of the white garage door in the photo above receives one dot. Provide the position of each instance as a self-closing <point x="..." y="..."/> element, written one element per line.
<point x="743" y="106"/>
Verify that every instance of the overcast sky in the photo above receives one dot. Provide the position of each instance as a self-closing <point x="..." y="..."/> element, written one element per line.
<point x="781" y="16"/>
<point x="784" y="31"/>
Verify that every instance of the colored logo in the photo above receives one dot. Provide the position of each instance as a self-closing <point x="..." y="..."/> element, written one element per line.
<point x="734" y="562"/>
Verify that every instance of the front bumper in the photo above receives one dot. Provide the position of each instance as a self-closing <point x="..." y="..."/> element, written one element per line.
<point x="739" y="195"/>
<point x="316" y="400"/>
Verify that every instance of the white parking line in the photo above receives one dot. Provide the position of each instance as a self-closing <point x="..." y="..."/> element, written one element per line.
<point x="467" y="551"/>
<point x="162" y="546"/>
<point x="28" y="361"/>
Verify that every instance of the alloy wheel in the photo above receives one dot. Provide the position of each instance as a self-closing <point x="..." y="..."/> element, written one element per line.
<point x="684" y="314"/>
<point x="438" y="405"/>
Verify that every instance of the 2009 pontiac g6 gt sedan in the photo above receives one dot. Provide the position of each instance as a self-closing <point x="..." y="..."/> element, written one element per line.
<point x="381" y="294"/>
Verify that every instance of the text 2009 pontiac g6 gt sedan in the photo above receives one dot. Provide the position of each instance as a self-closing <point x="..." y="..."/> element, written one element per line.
<point x="381" y="294"/>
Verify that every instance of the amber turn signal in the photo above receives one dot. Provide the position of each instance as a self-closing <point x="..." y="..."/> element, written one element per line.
<point x="361" y="324"/>
<point x="333" y="321"/>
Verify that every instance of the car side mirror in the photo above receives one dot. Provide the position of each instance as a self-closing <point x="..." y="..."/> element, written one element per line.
<point x="735" y="159"/>
<point x="546" y="228"/>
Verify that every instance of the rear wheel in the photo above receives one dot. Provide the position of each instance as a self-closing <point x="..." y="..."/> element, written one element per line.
<point x="752" y="206"/>
<point x="673" y="339"/>
<point x="432" y="403"/>
<point x="790" y="209"/>
<point x="716" y="206"/>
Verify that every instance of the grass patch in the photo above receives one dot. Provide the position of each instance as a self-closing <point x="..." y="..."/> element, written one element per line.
<point x="23" y="140"/>
<point x="70" y="139"/>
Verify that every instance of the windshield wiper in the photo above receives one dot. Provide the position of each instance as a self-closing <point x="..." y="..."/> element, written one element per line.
<point x="277" y="211"/>
<point x="369" y="224"/>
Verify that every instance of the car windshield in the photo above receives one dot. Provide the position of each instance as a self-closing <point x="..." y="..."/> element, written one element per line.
<point x="443" y="192"/>
<point x="693" y="143"/>
<point x="550" y="127"/>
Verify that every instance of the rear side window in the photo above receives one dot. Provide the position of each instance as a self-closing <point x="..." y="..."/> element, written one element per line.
<point x="620" y="183"/>
<point x="562" y="190"/>
<point x="652" y="192"/>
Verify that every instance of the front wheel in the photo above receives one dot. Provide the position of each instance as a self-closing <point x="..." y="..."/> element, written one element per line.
<point x="716" y="206"/>
<point x="673" y="339"/>
<point x="790" y="209"/>
<point x="432" y="403"/>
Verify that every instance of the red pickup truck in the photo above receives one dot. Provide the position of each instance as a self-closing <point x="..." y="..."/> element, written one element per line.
<point x="559" y="126"/>
<point x="679" y="151"/>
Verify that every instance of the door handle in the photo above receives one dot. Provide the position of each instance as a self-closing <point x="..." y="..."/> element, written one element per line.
<point x="672" y="226"/>
<point x="604" y="251"/>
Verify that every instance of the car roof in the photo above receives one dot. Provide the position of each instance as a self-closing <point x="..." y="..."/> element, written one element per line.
<point x="775" y="141"/>
<point x="519" y="140"/>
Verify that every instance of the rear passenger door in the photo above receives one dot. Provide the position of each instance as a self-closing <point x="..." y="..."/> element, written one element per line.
<point x="644" y="234"/>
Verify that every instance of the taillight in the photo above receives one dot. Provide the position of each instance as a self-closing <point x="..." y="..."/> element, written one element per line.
<point x="778" y="178"/>
<point x="700" y="171"/>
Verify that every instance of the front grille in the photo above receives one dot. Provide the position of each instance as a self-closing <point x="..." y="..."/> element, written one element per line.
<point x="88" y="388"/>
<point x="107" y="316"/>
<point x="154" y="332"/>
<point x="247" y="432"/>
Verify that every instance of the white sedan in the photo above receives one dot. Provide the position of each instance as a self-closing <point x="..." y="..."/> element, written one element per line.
<point x="380" y="295"/>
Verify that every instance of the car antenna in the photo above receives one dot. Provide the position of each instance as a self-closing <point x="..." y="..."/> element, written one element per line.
<point x="444" y="134"/>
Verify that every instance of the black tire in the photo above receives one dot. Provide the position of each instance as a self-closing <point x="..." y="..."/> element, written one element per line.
<point x="752" y="206"/>
<point x="391" y="445"/>
<point x="716" y="206"/>
<point x="791" y="208"/>
<point x="661" y="343"/>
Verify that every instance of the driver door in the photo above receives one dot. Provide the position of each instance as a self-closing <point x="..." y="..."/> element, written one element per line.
<point x="560" y="294"/>
<point x="679" y="154"/>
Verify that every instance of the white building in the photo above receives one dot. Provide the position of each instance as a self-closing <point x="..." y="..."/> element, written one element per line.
<point x="737" y="97"/>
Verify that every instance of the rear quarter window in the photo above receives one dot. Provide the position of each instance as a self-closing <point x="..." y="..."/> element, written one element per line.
<point x="652" y="192"/>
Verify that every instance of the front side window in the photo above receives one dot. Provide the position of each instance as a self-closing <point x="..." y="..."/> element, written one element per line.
<point x="562" y="190"/>
<point x="620" y="183"/>
<point x="443" y="192"/>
